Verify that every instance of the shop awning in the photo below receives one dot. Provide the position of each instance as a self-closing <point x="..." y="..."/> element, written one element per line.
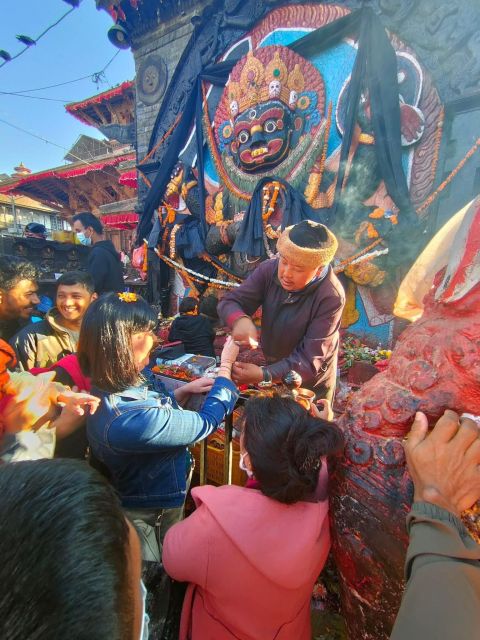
<point x="129" y="178"/>
<point x="121" y="220"/>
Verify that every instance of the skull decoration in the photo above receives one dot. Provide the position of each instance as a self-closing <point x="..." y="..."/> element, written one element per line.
<point x="292" y="101"/>
<point x="234" y="108"/>
<point x="274" y="89"/>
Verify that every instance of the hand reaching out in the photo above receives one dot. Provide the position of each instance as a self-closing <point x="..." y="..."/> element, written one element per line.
<point x="76" y="402"/>
<point x="229" y="352"/>
<point x="445" y="464"/>
<point x="200" y="385"/>
<point x="322" y="409"/>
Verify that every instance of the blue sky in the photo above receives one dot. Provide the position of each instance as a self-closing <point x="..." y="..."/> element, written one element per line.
<point x="77" y="47"/>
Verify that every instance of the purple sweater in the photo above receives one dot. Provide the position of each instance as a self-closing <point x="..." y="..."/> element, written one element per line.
<point x="299" y="330"/>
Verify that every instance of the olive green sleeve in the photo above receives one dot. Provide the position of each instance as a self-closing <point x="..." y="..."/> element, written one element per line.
<point x="442" y="597"/>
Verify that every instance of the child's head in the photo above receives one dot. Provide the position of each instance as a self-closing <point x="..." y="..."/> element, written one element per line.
<point x="188" y="305"/>
<point x="208" y="306"/>
<point x="115" y="340"/>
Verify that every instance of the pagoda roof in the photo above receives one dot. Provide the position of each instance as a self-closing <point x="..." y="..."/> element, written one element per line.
<point x="113" y="106"/>
<point x="76" y="185"/>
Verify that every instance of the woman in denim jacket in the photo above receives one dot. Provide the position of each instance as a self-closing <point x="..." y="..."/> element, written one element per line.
<point x="140" y="436"/>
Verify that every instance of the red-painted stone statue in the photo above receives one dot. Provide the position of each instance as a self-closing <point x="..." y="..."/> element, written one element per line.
<point x="435" y="366"/>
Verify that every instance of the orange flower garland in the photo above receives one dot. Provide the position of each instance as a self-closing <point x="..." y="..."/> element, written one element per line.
<point x="207" y="258"/>
<point x="449" y="178"/>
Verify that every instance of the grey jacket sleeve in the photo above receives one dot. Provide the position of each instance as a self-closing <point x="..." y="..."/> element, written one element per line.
<point x="442" y="597"/>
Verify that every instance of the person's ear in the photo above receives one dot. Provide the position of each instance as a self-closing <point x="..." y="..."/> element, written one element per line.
<point x="247" y="461"/>
<point x="94" y="296"/>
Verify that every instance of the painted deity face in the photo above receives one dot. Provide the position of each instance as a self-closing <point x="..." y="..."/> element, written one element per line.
<point x="262" y="135"/>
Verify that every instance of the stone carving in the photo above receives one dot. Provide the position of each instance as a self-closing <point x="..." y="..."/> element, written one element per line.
<point x="151" y="80"/>
<point x="273" y="118"/>
<point x="435" y="366"/>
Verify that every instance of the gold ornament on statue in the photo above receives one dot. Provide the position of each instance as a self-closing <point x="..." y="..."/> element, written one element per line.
<point x="259" y="83"/>
<point x="365" y="273"/>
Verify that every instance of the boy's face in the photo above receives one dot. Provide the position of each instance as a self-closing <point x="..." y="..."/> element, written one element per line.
<point x="72" y="301"/>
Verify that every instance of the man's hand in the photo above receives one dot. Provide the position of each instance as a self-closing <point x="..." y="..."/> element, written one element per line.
<point x="444" y="464"/>
<point x="246" y="373"/>
<point x="245" y="333"/>
<point x="322" y="409"/>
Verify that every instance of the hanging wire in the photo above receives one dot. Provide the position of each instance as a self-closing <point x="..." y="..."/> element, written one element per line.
<point x="23" y="95"/>
<point x="45" y="31"/>
<point x="92" y="76"/>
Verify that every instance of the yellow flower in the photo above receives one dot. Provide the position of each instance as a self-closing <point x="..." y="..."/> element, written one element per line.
<point x="127" y="296"/>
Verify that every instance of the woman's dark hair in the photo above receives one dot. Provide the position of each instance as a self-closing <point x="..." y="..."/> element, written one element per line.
<point x="188" y="304"/>
<point x="64" y="548"/>
<point x="105" y="345"/>
<point x="285" y="444"/>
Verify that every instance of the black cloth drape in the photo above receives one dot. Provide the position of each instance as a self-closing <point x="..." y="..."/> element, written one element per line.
<point x="250" y="234"/>
<point x="375" y="70"/>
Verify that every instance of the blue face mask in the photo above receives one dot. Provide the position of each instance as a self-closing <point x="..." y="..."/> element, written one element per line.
<point x="82" y="238"/>
<point x="145" y="618"/>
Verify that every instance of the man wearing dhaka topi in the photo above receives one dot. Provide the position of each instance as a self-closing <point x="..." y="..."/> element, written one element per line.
<point x="302" y="302"/>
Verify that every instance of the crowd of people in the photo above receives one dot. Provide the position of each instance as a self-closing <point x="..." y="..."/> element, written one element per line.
<point x="74" y="532"/>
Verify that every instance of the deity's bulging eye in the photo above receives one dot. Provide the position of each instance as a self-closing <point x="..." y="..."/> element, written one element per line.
<point x="243" y="136"/>
<point x="264" y="141"/>
<point x="270" y="126"/>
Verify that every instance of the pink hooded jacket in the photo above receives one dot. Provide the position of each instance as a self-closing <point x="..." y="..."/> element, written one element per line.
<point x="251" y="562"/>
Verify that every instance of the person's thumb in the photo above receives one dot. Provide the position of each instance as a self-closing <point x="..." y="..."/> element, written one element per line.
<point x="418" y="430"/>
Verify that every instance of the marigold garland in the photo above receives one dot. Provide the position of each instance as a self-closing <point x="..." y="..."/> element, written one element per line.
<point x="161" y="141"/>
<point x="316" y="175"/>
<point x="449" y="178"/>
<point x="438" y="141"/>
<point x="208" y="259"/>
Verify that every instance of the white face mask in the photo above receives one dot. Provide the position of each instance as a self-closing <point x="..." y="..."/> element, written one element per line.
<point x="82" y="238"/>
<point x="145" y="618"/>
<point x="243" y="466"/>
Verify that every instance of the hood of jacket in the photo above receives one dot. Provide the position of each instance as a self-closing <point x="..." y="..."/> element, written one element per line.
<point x="107" y="245"/>
<point x="252" y="523"/>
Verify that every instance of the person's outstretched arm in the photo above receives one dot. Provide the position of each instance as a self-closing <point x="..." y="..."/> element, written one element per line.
<point x="442" y="596"/>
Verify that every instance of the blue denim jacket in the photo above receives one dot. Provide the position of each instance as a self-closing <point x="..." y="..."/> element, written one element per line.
<point x="141" y="436"/>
